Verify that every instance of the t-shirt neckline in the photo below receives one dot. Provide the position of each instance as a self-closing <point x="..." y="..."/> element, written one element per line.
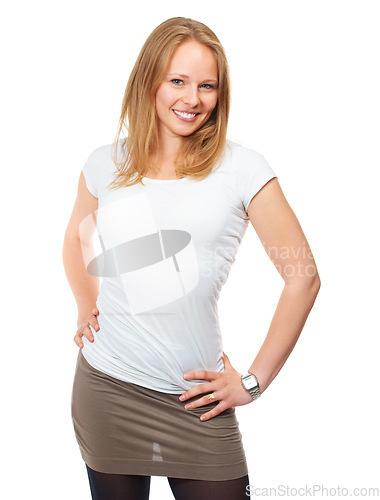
<point x="149" y="179"/>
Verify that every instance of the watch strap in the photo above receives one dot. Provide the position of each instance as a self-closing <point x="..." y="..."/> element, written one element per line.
<point x="255" y="391"/>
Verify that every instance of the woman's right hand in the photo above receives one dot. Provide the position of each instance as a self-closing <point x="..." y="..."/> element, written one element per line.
<point x="84" y="329"/>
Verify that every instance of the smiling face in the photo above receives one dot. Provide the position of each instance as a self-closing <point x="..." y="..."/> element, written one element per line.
<point x="188" y="93"/>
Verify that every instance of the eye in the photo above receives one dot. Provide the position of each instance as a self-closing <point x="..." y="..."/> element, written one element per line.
<point x="208" y="86"/>
<point x="174" y="80"/>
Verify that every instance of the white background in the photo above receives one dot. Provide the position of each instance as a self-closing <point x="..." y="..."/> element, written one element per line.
<point x="305" y="94"/>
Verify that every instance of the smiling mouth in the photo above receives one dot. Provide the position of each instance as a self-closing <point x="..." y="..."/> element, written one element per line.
<point x="183" y="114"/>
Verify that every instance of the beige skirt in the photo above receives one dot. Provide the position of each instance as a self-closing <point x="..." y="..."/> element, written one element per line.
<point x="124" y="428"/>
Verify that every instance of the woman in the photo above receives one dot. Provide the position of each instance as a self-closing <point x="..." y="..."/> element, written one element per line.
<point x="170" y="218"/>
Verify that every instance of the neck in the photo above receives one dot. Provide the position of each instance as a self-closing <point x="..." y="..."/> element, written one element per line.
<point x="167" y="147"/>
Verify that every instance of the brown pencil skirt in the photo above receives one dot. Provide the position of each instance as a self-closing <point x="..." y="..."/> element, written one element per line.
<point x="124" y="428"/>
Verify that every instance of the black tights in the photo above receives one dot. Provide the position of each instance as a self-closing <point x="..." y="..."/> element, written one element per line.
<point x="129" y="487"/>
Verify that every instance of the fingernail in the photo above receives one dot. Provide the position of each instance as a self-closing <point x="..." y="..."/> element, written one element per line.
<point x="91" y="338"/>
<point x="182" y="397"/>
<point x="203" y="417"/>
<point x="187" y="407"/>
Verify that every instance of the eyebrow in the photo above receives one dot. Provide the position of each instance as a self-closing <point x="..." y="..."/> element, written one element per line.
<point x="187" y="76"/>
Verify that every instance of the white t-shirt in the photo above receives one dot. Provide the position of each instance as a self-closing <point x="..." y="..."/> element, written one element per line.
<point x="165" y="251"/>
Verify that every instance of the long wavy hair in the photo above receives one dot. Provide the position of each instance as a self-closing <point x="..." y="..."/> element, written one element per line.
<point x="197" y="153"/>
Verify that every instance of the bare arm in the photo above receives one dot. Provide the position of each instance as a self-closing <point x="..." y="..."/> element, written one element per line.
<point x="78" y="240"/>
<point x="285" y="243"/>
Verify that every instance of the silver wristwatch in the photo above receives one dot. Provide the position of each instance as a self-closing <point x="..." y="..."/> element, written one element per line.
<point x="251" y="384"/>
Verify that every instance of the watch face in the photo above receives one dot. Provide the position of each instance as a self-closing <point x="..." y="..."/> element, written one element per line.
<point x="250" y="382"/>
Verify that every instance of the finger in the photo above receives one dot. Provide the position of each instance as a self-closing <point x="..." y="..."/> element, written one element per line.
<point x="95" y="311"/>
<point x="201" y="375"/>
<point x="93" y="322"/>
<point x="202" y="401"/>
<point x="214" y="412"/>
<point x="83" y="330"/>
<point x="78" y="339"/>
<point x="226" y="360"/>
<point x="194" y="391"/>
<point x="86" y="332"/>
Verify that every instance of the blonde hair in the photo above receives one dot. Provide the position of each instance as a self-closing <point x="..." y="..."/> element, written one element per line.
<point x="198" y="152"/>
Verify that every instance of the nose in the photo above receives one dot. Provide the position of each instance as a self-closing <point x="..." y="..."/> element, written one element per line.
<point x="191" y="96"/>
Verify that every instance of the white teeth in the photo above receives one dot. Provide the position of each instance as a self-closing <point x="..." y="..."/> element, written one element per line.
<point x="185" y="115"/>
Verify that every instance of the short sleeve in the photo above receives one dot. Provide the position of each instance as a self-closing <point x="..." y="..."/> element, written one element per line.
<point x="252" y="172"/>
<point x="91" y="172"/>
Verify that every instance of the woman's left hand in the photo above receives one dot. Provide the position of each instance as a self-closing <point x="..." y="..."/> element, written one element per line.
<point x="226" y="386"/>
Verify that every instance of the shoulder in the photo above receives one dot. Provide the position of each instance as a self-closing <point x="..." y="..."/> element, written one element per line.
<point x="102" y="152"/>
<point x="241" y="152"/>
<point x="99" y="166"/>
<point x="244" y="160"/>
<point x="249" y="170"/>
<point x="101" y="159"/>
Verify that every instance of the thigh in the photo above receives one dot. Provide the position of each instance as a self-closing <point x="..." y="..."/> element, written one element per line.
<point x="190" y="489"/>
<point x="106" y="486"/>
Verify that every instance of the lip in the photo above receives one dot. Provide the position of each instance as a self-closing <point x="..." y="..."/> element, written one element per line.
<point x="183" y="118"/>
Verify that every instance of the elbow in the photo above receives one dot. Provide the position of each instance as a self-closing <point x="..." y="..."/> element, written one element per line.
<point x="315" y="280"/>
<point x="310" y="284"/>
<point x="316" y="284"/>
